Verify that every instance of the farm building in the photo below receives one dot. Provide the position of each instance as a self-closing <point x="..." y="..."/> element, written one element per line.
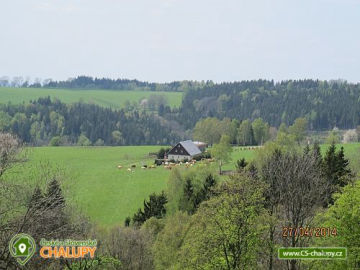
<point x="183" y="150"/>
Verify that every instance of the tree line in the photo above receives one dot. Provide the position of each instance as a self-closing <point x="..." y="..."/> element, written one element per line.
<point x="325" y="104"/>
<point x="88" y="82"/>
<point x="50" y="121"/>
<point x="250" y="112"/>
<point x="245" y="132"/>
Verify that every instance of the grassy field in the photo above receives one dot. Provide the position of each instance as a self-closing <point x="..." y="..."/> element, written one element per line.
<point x="107" y="194"/>
<point x="106" y="98"/>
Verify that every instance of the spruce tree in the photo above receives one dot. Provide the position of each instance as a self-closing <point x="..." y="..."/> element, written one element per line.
<point x="205" y="192"/>
<point x="54" y="196"/>
<point x="209" y="183"/>
<point x="188" y="189"/>
<point x="189" y="199"/>
<point x="316" y="151"/>
<point x="335" y="170"/>
<point x="241" y="164"/>
<point x="155" y="207"/>
<point x="252" y="170"/>
<point x="37" y="199"/>
<point x="342" y="168"/>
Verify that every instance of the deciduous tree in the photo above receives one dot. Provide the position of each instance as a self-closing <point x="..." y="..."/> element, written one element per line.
<point x="222" y="151"/>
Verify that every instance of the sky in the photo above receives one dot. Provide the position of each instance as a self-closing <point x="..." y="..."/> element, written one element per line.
<point x="168" y="40"/>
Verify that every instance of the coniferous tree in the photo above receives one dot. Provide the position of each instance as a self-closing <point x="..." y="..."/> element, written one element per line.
<point x="155" y="207"/>
<point x="205" y="192"/>
<point x="241" y="164"/>
<point x="54" y="196"/>
<point x="335" y="170"/>
<point x="127" y="221"/>
<point x="252" y="170"/>
<point x="37" y="199"/>
<point x="343" y="170"/>
<point x="191" y="198"/>
<point x="187" y="201"/>
<point x="210" y="182"/>
<point x="188" y="189"/>
<point x="316" y="151"/>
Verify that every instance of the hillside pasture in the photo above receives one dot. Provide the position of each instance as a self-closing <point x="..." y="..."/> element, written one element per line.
<point x="94" y="182"/>
<point x="106" y="98"/>
<point x="107" y="193"/>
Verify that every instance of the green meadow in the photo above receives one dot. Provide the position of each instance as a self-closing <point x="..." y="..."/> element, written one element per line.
<point x="107" y="98"/>
<point x="105" y="193"/>
<point x="94" y="182"/>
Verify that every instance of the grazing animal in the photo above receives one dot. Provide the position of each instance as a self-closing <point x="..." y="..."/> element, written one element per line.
<point x="119" y="167"/>
<point x="129" y="170"/>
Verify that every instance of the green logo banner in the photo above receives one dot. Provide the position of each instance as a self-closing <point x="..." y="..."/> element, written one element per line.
<point x="22" y="247"/>
<point x="312" y="253"/>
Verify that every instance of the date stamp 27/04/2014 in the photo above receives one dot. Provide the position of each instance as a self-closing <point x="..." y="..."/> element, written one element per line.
<point x="309" y="231"/>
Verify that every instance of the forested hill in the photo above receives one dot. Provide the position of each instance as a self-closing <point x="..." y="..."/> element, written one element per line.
<point x="325" y="104"/>
<point x="86" y="82"/>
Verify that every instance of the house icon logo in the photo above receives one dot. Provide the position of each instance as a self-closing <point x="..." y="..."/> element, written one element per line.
<point x="22" y="247"/>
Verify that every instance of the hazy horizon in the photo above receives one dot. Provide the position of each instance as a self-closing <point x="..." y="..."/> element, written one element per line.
<point x="172" y="40"/>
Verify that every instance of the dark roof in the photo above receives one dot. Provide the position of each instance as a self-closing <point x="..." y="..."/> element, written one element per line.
<point x="190" y="147"/>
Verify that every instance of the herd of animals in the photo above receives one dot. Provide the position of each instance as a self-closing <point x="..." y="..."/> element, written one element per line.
<point x="167" y="165"/>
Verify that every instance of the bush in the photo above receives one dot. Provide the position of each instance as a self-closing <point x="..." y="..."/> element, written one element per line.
<point x="350" y="136"/>
<point x="205" y="155"/>
<point x="162" y="152"/>
<point x="99" y="142"/>
<point x="158" y="162"/>
<point x="55" y="141"/>
<point x="83" y="141"/>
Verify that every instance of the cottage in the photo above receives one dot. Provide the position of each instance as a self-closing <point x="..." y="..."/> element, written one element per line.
<point x="183" y="150"/>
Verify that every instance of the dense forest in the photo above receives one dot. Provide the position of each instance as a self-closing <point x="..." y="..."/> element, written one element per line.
<point x="44" y="121"/>
<point x="324" y="104"/>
